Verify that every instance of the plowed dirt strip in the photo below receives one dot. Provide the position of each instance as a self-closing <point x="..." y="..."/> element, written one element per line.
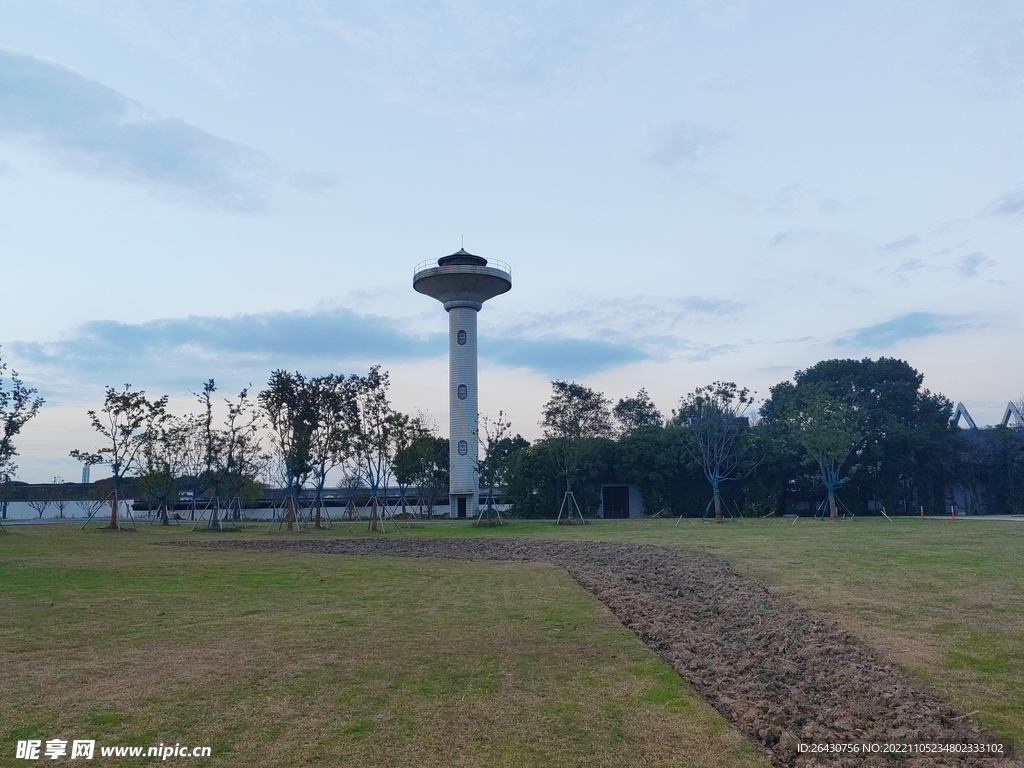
<point x="780" y="674"/>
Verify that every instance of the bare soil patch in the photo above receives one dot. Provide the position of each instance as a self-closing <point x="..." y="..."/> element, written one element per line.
<point x="782" y="675"/>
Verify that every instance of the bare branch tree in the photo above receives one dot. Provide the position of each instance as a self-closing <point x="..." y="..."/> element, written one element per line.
<point x="714" y="417"/>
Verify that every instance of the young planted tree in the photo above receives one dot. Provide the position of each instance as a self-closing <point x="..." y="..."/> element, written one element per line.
<point x="201" y="449"/>
<point x="432" y="470"/>
<point x="18" y="405"/>
<point x="496" y="448"/>
<point x="830" y="429"/>
<point x="714" y="419"/>
<point x="220" y="462"/>
<point x="349" y="484"/>
<point x="128" y="422"/>
<point x="408" y="433"/>
<point x="573" y="415"/>
<point x="375" y="440"/>
<point x="240" y="457"/>
<point x="291" y="411"/>
<point x="163" y="463"/>
<point x="335" y="415"/>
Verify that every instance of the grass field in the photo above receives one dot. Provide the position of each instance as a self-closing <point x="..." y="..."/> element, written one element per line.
<point x="281" y="660"/>
<point x="277" y="659"/>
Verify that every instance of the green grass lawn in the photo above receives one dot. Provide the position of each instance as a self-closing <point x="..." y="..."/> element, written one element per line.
<point x="284" y="659"/>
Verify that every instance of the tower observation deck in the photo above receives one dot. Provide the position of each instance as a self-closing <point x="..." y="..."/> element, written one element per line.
<point x="462" y="282"/>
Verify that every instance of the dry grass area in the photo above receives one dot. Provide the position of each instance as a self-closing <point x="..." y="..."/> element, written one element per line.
<point x="286" y="660"/>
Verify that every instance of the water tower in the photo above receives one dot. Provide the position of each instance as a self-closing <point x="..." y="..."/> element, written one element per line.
<point x="462" y="283"/>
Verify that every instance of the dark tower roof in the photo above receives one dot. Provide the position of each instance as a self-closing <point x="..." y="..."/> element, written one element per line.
<point x="462" y="256"/>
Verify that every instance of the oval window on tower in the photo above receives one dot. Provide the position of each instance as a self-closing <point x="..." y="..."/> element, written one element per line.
<point x="461" y="336"/>
<point x="463" y="392"/>
<point x="463" y="448"/>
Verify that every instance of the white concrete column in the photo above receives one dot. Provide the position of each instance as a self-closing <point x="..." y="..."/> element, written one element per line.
<point x="462" y="408"/>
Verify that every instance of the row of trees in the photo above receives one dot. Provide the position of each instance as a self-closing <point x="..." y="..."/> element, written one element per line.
<point x="848" y="432"/>
<point x="865" y="427"/>
<point x="292" y="435"/>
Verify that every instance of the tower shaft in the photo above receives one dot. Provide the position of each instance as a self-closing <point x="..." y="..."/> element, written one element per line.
<point x="462" y="410"/>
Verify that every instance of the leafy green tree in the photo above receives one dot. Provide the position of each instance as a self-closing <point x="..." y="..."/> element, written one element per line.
<point x="240" y="455"/>
<point x="573" y="416"/>
<point x="292" y="413"/>
<point x="432" y="476"/>
<point x="336" y="421"/>
<point x="656" y="460"/>
<point x="909" y="445"/>
<point x="633" y="413"/>
<point x="128" y="422"/>
<point x="830" y="429"/>
<point x="408" y="446"/>
<point x="375" y="440"/>
<point x="534" y="486"/>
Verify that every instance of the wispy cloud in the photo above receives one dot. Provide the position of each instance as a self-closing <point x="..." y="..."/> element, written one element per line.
<point x="680" y="146"/>
<point x="652" y="323"/>
<point x="630" y="328"/>
<point x="1010" y="204"/>
<point x="91" y="129"/>
<point x="900" y="244"/>
<point x="792" y="236"/>
<point x="491" y="61"/>
<point x="797" y="197"/>
<point x="915" y="325"/>
<point x="969" y="265"/>
<point x="911" y="264"/>
<point x="178" y="352"/>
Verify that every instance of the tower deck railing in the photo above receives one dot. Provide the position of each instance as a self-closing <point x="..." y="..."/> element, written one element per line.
<point x="497" y="264"/>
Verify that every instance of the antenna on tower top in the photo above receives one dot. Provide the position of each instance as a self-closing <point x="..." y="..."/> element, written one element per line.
<point x="463" y="241"/>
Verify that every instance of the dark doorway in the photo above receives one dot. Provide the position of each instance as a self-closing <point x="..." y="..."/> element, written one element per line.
<point x="616" y="501"/>
<point x="462" y="507"/>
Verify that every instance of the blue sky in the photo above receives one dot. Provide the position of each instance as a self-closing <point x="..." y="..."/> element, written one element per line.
<point x="685" y="191"/>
